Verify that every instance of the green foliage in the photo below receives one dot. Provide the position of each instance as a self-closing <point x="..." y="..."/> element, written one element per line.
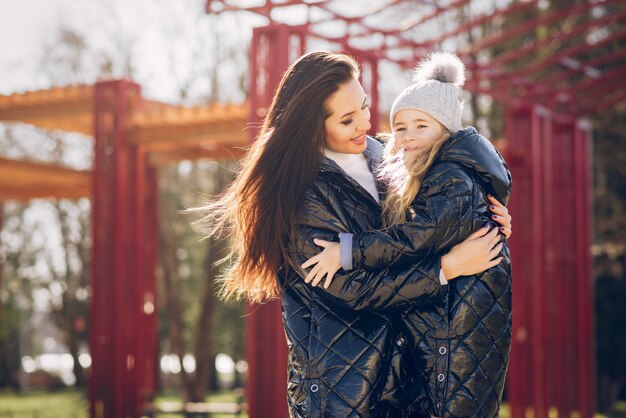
<point x="610" y="255"/>
<point x="184" y="186"/>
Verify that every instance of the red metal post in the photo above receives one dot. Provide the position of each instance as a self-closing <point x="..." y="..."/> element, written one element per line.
<point x="562" y="215"/>
<point x="519" y="385"/>
<point x="273" y="48"/>
<point x="539" y="313"/>
<point x="123" y="331"/>
<point x="586" y="383"/>
<point x="145" y="237"/>
<point x="551" y="365"/>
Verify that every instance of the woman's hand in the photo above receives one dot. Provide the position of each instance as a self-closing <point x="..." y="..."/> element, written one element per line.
<point x="474" y="255"/>
<point x="325" y="263"/>
<point x="500" y="215"/>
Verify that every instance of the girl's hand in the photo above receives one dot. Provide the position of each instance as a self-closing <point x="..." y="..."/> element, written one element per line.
<point x="500" y="215"/>
<point x="474" y="255"/>
<point x="325" y="263"/>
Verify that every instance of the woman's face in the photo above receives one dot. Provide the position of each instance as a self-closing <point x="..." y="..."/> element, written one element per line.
<point x="414" y="130"/>
<point x="349" y="119"/>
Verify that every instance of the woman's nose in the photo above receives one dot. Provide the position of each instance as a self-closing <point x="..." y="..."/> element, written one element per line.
<point x="365" y="125"/>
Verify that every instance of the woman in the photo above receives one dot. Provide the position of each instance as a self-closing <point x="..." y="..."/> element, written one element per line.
<point x="463" y="345"/>
<point x="342" y="353"/>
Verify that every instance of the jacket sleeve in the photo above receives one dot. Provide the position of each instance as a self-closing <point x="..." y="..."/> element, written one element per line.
<point x="392" y="286"/>
<point x="441" y="217"/>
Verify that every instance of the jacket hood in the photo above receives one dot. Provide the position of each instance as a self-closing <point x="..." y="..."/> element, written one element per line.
<point x="472" y="150"/>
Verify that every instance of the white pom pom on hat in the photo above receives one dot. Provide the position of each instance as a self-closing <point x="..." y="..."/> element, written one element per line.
<point x="437" y="90"/>
<point x="441" y="66"/>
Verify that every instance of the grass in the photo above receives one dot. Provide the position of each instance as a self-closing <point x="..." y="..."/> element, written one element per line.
<point x="62" y="404"/>
<point x="73" y="404"/>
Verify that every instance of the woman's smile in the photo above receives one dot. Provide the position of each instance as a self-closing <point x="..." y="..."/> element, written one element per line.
<point x="359" y="140"/>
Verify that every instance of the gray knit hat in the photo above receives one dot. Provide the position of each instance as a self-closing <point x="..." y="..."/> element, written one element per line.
<point x="437" y="90"/>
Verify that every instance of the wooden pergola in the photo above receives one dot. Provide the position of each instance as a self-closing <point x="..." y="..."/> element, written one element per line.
<point x="165" y="132"/>
<point x="131" y="137"/>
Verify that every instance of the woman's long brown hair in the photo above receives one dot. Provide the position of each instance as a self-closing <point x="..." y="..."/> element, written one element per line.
<point x="258" y="210"/>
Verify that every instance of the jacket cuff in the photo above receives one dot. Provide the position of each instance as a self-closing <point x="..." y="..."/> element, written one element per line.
<point x="345" y="250"/>
<point x="442" y="278"/>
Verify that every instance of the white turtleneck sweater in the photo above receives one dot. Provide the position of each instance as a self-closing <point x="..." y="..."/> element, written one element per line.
<point x="355" y="165"/>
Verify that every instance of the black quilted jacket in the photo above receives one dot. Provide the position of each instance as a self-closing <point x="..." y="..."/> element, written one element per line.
<point x="343" y="357"/>
<point x="461" y="348"/>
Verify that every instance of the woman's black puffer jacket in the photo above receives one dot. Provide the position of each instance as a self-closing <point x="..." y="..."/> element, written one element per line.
<point x="461" y="348"/>
<point x="343" y="356"/>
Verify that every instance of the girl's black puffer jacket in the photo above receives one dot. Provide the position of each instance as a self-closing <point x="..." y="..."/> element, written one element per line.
<point x="461" y="348"/>
<point x="343" y="356"/>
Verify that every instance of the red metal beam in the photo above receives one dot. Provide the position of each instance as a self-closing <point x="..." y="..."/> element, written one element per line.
<point x="555" y="36"/>
<point x="592" y="91"/>
<point x="223" y="6"/>
<point x="521" y="28"/>
<point x="555" y="59"/>
<point x="596" y="63"/>
<point x="606" y="103"/>
<point x="514" y="7"/>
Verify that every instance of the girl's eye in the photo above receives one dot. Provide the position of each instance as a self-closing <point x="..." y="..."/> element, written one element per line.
<point x="400" y="129"/>
<point x="346" y="122"/>
<point x="421" y="126"/>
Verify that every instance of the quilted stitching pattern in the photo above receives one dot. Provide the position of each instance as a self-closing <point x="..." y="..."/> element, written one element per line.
<point x="461" y="348"/>
<point x="342" y="340"/>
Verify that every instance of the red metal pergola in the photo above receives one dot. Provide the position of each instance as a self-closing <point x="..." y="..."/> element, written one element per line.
<point x="558" y="65"/>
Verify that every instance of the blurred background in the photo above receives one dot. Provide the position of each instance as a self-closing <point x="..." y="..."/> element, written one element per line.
<point x="181" y="55"/>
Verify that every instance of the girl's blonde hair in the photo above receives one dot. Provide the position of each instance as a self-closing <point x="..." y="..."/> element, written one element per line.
<point x="403" y="173"/>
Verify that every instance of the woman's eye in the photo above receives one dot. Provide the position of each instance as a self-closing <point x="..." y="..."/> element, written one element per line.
<point x="346" y="122"/>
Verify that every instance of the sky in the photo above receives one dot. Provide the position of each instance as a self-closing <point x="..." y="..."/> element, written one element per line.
<point x="23" y="27"/>
<point x="26" y="26"/>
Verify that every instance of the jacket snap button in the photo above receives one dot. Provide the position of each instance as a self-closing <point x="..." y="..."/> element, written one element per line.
<point x="442" y="350"/>
<point x="400" y="341"/>
<point x="441" y="377"/>
<point x="314" y="388"/>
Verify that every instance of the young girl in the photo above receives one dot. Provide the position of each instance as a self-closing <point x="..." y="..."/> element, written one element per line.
<point x="442" y="182"/>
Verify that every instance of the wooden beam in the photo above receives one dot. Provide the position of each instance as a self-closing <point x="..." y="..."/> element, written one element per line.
<point x="23" y="180"/>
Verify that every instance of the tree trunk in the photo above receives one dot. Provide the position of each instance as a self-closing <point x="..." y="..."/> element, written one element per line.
<point x="205" y="358"/>
<point x="175" y="315"/>
<point x="204" y="339"/>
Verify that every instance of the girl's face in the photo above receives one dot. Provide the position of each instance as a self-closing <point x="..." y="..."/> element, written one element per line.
<point x="349" y="119"/>
<point x="414" y="130"/>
